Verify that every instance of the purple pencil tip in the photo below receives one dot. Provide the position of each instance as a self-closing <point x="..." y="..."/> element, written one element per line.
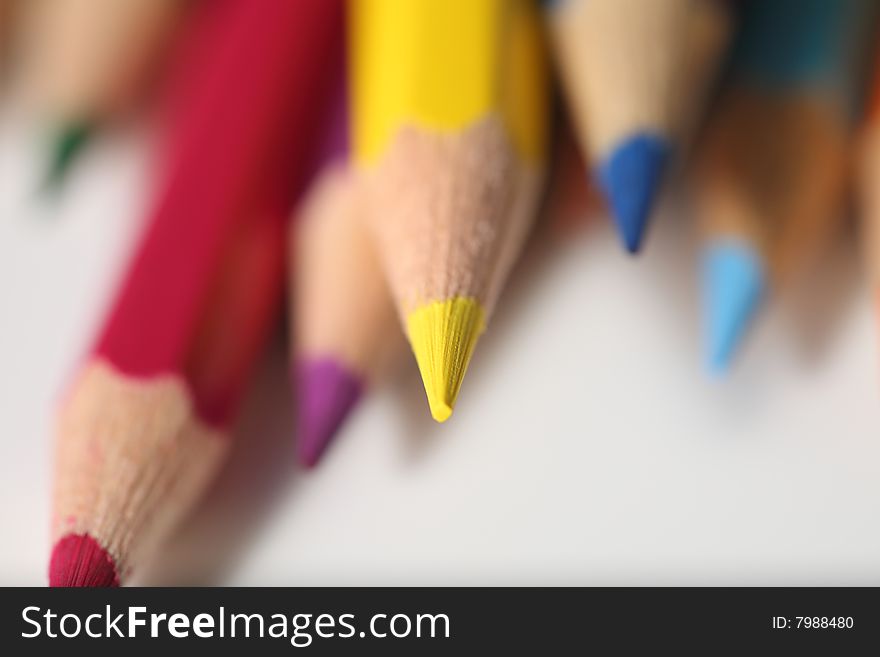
<point x="327" y="393"/>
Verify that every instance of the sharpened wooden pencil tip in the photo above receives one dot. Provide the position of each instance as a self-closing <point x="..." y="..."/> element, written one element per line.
<point x="443" y="335"/>
<point x="79" y="560"/>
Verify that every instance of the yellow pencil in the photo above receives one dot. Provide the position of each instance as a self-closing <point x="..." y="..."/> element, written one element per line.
<point x="449" y="118"/>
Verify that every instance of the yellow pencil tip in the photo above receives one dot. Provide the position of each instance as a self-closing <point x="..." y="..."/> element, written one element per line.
<point x="443" y="335"/>
<point x="440" y="411"/>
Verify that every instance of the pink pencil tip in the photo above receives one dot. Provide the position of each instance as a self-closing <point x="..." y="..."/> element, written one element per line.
<point x="79" y="560"/>
<point x="327" y="393"/>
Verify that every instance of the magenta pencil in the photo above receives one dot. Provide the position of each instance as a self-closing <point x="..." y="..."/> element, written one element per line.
<point x="148" y="419"/>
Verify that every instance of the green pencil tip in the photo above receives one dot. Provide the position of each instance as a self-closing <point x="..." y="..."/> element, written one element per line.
<point x="68" y="144"/>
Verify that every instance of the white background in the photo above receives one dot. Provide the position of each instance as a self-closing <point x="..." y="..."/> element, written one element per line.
<point x="588" y="447"/>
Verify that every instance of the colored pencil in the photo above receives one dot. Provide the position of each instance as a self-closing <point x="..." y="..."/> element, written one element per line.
<point x="7" y="19"/>
<point x="144" y="427"/>
<point x="344" y="327"/>
<point x="449" y="103"/>
<point x="869" y="186"/>
<point x="10" y="27"/>
<point x="770" y="179"/>
<point x="87" y="62"/>
<point x="634" y="73"/>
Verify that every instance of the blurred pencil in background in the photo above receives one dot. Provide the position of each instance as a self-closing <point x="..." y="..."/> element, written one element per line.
<point x="770" y="180"/>
<point x="8" y="18"/>
<point x="343" y="327"/>
<point x="869" y="187"/>
<point x="89" y="62"/>
<point x="449" y="113"/>
<point x="635" y="73"/>
<point x="144" y="426"/>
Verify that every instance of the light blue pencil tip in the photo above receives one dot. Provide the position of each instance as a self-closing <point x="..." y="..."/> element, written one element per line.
<point x="733" y="284"/>
<point x="631" y="177"/>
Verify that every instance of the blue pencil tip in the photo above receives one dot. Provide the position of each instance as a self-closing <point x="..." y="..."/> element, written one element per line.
<point x="733" y="283"/>
<point x="630" y="177"/>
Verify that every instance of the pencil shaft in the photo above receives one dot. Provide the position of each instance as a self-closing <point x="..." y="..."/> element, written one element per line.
<point x="436" y="64"/>
<point x="226" y="150"/>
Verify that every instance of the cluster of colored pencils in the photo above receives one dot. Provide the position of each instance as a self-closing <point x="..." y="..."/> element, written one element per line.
<point x="410" y="140"/>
